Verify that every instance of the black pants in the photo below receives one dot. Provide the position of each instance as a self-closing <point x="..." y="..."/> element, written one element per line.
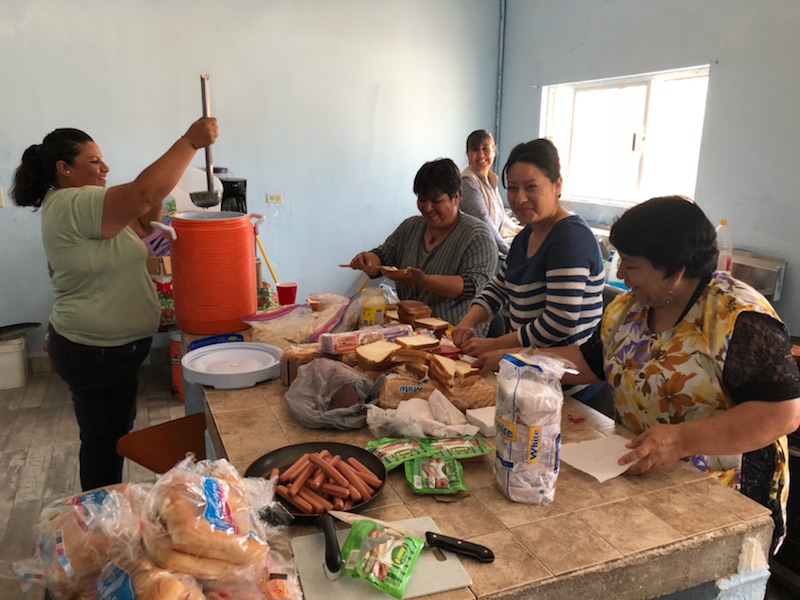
<point x="104" y="383"/>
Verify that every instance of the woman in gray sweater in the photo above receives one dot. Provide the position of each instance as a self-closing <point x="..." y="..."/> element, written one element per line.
<point x="446" y="257"/>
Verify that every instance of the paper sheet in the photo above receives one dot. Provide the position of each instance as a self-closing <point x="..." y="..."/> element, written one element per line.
<point x="598" y="457"/>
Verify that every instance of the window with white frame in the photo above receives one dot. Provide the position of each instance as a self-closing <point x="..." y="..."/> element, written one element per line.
<point x="624" y="140"/>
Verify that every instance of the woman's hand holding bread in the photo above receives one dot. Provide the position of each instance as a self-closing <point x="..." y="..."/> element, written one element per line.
<point x="367" y="262"/>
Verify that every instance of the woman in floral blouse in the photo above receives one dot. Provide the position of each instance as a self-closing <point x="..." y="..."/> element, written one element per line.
<point x="699" y="363"/>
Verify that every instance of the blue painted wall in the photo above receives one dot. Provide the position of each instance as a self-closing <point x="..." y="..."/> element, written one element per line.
<point x="748" y="169"/>
<point x="335" y="105"/>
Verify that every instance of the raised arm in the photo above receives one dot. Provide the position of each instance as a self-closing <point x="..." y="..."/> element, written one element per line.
<point x="144" y="195"/>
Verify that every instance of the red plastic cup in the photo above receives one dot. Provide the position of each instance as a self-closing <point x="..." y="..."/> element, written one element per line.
<point x="287" y="292"/>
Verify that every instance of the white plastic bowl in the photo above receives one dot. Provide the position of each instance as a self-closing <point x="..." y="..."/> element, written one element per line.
<point x="232" y="365"/>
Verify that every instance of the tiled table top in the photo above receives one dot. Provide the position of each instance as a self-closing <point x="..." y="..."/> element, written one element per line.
<point x="630" y="537"/>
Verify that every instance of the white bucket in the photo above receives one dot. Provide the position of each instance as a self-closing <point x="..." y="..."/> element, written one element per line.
<point x="13" y="373"/>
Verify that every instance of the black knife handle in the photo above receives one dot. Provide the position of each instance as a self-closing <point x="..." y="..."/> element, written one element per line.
<point x="333" y="553"/>
<point x="443" y="542"/>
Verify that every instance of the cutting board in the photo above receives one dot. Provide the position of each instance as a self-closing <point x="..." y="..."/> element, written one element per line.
<point x="430" y="574"/>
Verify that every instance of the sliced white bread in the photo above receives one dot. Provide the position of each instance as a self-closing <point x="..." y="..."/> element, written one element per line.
<point x="431" y="323"/>
<point x="394" y="270"/>
<point x="404" y="355"/>
<point x="443" y="370"/>
<point x="418" y="342"/>
<point x="417" y="369"/>
<point x="465" y="371"/>
<point x="410" y="310"/>
<point x="376" y="356"/>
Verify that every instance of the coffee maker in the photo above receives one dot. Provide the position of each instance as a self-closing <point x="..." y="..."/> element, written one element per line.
<point x="234" y="191"/>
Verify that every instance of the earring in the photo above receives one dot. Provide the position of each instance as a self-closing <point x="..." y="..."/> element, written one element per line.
<point x="668" y="299"/>
<point x="69" y="172"/>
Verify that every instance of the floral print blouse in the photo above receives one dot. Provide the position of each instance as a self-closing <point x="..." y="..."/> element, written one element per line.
<point x="676" y="376"/>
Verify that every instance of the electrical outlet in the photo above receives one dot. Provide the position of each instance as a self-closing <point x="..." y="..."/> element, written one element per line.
<point x="274" y="198"/>
<point x="1" y="198"/>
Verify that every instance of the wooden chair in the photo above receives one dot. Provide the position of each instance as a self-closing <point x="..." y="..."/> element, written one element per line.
<point x="162" y="446"/>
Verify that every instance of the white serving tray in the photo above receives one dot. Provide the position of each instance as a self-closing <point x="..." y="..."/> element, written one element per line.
<point x="232" y="365"/>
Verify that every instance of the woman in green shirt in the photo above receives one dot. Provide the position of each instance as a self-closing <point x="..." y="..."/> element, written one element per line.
<point x="105" y="311"/>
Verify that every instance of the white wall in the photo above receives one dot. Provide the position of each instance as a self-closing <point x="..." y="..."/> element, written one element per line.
<point x="334" y="104"/>
<point x="748" y="170"/>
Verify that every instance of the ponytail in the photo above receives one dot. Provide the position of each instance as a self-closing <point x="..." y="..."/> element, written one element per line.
<point x="36" y="173"/>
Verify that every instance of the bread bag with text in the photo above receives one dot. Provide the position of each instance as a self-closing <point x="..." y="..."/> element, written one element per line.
<point x="198" y="521"/>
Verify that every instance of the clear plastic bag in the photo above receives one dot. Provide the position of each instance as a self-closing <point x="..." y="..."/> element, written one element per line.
<point x="388" y="423"/>
<point x="280" y="327"/>
<point x="389" y="293"/>
<point x="341" y="313"/>
<point x="299" y="324"/>
<point x="528" y="426"/>
<point x="277" y="581"/>
<point x="383" y="556"/>
<point x="143" y="580"/>
<point x="78" y="535"/>
<point x="201" y="519"/>
<point x="310" y="397"/>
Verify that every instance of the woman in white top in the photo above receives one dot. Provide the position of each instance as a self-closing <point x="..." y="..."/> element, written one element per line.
<point x="480" y="196"/>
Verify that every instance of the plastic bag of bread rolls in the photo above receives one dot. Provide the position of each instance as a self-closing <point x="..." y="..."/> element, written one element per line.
<point x="198" y="521"/>
<point x="528" y="426"/>
<point x="78" y="535"/>
<point x="278" y="581"/>
<point x="142" y="580"/>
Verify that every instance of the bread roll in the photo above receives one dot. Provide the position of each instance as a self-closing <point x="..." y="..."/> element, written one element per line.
<point x="147" y="581"/>
<point x="163" y="585"/>
<point x="79" y="535"/>
<point x="209" y="517"/>
<point x="160" y="550"/>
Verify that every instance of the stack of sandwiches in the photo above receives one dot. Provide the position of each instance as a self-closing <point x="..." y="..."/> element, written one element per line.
<point x="408" y="311"/>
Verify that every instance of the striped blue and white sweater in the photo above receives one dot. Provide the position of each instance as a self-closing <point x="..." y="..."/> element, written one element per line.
<point x="555" y="297"/>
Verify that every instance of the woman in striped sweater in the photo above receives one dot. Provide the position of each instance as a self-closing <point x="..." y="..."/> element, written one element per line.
<point x="552" y="279"/>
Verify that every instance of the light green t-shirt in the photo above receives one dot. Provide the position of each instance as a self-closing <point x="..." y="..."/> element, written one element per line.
<point x="103" y="293"/>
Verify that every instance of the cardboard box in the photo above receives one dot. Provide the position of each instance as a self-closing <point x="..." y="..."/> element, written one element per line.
<point x="159" y="266"/>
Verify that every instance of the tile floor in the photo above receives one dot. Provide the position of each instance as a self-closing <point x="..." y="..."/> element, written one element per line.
<point x="39" y="455"/>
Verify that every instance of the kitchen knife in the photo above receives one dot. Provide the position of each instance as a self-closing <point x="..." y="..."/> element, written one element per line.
<point x="432" y="539"/>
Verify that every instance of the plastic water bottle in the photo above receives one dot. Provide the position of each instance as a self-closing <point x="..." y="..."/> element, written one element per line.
<point x="725" y="247"/>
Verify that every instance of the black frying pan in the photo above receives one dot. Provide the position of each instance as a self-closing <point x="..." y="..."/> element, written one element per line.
<point x="283" y="458"/>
